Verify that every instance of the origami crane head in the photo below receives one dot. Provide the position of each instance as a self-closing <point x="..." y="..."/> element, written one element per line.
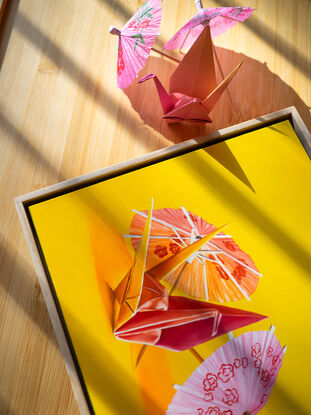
<point x="145" y="313"/>
<point x="193" y="88"/>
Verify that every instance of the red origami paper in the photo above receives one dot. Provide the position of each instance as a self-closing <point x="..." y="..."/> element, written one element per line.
<point x="145" y="313"/>
<point x="193" y="87"/>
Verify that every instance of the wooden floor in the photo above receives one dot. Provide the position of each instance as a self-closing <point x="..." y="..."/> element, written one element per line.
<point x="62" y="115"/>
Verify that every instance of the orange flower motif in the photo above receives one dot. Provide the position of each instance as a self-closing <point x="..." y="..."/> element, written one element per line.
<point x="161" y="251"/>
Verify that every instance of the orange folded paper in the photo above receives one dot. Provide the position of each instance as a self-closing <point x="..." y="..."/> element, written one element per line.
<point x="193" y="87"/>
<point x="145" y="313"/>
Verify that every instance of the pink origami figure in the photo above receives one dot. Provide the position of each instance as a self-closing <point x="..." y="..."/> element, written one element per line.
<point x="193" y="88"/>
<point x="235" y="380"/>
<point x="146" y="314"/>
<point x="219" y="19"/>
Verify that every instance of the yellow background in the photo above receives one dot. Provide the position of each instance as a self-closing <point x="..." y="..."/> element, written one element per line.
<point x="259" y="183"/>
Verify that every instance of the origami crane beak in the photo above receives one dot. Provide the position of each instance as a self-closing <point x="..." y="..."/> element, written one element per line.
<point x="167" y="101"/>
<point x="163" y="269"/>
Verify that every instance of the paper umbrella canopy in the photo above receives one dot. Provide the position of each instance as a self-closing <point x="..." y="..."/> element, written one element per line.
<point x="145" y="313"/>
<point x="219" y="19"/>
<point x="236" y="379"/>
<point x="218" y="271"/>
<point x="135" y="41"/>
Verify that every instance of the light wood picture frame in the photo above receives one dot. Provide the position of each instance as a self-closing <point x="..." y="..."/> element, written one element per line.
<point x="23" y="203"/>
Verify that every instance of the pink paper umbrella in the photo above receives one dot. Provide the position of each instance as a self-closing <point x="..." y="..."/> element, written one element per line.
<point x="220" y="271"/>
<point x="220" y="19"/>
<point x="135" y="41"/>
<point x="235" y="380"/>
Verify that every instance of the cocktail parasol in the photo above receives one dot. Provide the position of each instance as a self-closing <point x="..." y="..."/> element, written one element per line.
<point x="218" y="271"/>
<point x="236" y="379"/>
<point x="219" y="19"/>
<point x="135" y="41"/>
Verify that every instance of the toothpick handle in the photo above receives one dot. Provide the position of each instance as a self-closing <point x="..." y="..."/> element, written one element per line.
<point x="196" y="355"/>
<point x="199" y="4"/>
<point x="114" y="31"/>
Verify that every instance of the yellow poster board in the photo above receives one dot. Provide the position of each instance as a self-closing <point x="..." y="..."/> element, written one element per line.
<point x="258" y="183"/>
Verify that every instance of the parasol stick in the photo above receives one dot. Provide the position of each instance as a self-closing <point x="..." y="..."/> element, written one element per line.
<point x="114" y="31"/>
<point x="140" y="354"/>
<point x="196" y="355"/>
<point x="223" y="76"/>
<point x="199" y="4"/>
<point x="178" y="278"/>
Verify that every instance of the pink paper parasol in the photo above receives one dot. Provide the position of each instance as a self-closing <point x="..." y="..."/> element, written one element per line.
<point x="220" y="19"/>
<point x="135" y="41"/>
<point x="220" y="271"/>
<point x="236" y="379"/>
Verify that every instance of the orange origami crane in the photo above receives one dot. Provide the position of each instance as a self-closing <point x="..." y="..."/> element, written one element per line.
<point x="145" y="313"/>
<point x="193" y="88"/>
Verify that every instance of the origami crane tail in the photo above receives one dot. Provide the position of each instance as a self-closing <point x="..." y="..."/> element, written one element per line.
<point x="214" y="96"/>
<point x="163" y="269"/>
<point x="167" y="101"/>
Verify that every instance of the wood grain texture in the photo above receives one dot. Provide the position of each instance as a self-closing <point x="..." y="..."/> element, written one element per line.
<point x="62" y="115"/>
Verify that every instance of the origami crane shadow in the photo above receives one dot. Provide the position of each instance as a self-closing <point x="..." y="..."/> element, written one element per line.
<point x="146" y="314"/>
<point x="193" y="88"/>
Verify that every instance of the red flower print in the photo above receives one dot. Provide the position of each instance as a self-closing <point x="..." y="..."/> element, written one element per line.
<point x="231" y="396"/>
<point x="226" y="372"/>
<point x="276" y="360"/>
<point x="144" y="24"/>
<point x="272" y="371"/>
<point x="244" y="362"/>
<point x="161" y="251"/>
<point x="265" y="379"/>
<point x="120" y="65"/>
<point x="227" y="412"/>
<point x="256" y="350"/>
<point x="221" y="273"/>
<point x="257" y="363"/>
<point x="237" y="363"/>
<point x="230" y="245"/>
<point x="213" y="411"/>
<point x="200" y="411"/>
<point x="269" y="351"/>
<point x="210" y="382"/>
<point x="208" y="397"/>
<point x="263" y="398"/>
<point x="174" y="248"/>
<point x="239" y="272"/>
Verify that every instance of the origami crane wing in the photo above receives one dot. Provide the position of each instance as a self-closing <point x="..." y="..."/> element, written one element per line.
<point x="185" y="324"/>
<point x="195" y="76"/>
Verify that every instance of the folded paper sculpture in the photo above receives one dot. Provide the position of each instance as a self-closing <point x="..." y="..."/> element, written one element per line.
<point x="219" y="271"/>
<point x="145" y="313"/>
<point x="235" y="380"/>
<point x="193" y="87"/>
